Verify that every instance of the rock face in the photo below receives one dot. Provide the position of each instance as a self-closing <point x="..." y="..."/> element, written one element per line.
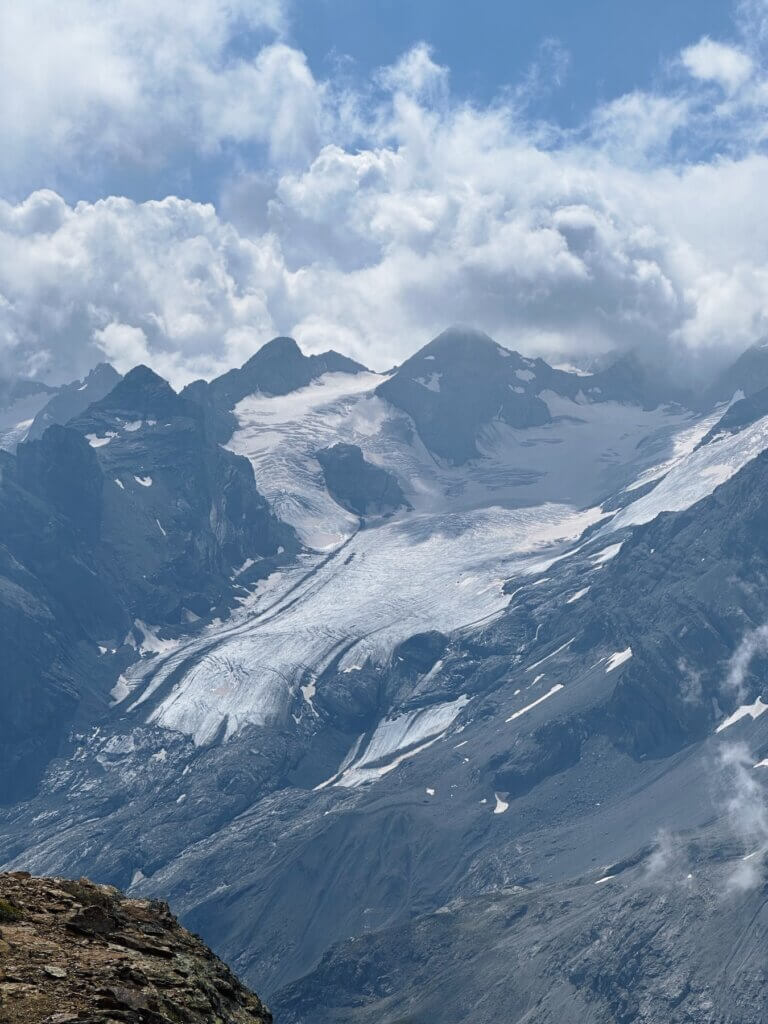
<point x="74" y="399"/>
<point x="358" y="485"/>
<point x="748" y="374"/>
<point x="462" y="381"/>
<point x="75" y="951"/>
<point x="20" y="401"/>
<point x="132" y="513"/>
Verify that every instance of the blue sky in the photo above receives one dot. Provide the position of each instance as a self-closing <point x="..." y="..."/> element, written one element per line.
<point x="181" y="181"/>
<point x="614" y="46"/>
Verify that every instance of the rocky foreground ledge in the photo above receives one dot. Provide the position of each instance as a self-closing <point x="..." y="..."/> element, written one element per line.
<point x="78" y="952"/>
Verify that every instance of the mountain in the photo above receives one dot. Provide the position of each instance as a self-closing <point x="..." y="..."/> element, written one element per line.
<point x="743" y="378"/>
<point x="462" y="381"/>
<point x="485" y="741"/>
<point x="75" y="951"/>
<point x="278" y="368"/>
<point x="131" y="514"/>
<point x="20" y="402"/>
<point x="73" y="399"/>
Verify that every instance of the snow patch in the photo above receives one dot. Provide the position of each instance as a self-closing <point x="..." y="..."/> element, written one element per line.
<point x="501" y="805"/>
<point x="431" y="383"/>
<point x="607" y="553"/>
<point x="753" y="710"/>
<point x="396" y="739"/>
<point x="618" y="659"/>
<point x="577" y="596"/>
<point x="555" y="689"/>
<point x="98" y="442"/>
<point x="145" y="481"/>
<point x="120" y="690"/>
<point x="541" y="661"/>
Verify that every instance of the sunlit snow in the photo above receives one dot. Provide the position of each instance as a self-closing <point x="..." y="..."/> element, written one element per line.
<point x="698" y="474"/>
<point x="751" y="710"/>
<point x="528" y="707"/>
<point x="385" y="585"/>
<point x="617" y="659"/>
<point x="394" y="740"/>
<point x="501" y="805"/>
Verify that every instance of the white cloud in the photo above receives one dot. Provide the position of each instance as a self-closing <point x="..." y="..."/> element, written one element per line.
<point x="379" y="216"/>
<point x="136" y="82"/>
<point x="710" y="61"/>
<point x="415" y="73"/>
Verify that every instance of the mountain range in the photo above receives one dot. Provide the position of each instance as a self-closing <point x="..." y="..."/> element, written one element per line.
<point x="434" y="695"/>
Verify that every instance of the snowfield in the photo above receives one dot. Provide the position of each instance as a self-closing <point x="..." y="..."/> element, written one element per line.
<point x="358" y="592"/>
<point x="383" y="586"/>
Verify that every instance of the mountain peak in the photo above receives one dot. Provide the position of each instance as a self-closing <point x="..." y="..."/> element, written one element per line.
<point x="277" y="368"/>
<point x="458" y="383"/>
<point x="281" y="346"/>
<point x="142" y="376"/>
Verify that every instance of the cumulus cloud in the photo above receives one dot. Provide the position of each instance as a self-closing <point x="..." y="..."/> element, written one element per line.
<point x="165" y="283"/>
<point x="372" y="218"/>
<point x="710" y="61"/>
<point x="115" y="82"/>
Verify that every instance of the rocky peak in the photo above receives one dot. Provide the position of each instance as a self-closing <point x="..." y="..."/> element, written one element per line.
<point x="277" y="368"/>
<point x="141" y="392"/>
<point x="72" y="951"/>
<point x="461" y="381"/>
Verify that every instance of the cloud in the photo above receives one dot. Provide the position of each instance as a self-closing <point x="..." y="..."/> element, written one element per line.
<point x="753" y="644"/>
<point x="747" y="814"/>
<point x="710" y="61"/>
<point x="415" y="74"/>
<point x="369" y="219"/>
<point x="166" y="283"/>
<point x="96" y="84"/>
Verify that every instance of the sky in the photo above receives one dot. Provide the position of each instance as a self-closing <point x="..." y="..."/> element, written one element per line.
<point x="179" y="182"/>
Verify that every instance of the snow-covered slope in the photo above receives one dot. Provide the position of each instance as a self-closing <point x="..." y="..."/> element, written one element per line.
<point x="481" y="711"/>
<point x="410" y="575"/>
<point x="440" y="564"/>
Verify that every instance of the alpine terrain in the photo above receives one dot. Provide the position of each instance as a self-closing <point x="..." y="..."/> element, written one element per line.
<point x="434" y="695"/>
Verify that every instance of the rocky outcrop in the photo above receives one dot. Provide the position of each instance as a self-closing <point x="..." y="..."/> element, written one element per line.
<point x="72" y="951"/>
<point x="458" y="383"/>
<point x="358" y="485"/>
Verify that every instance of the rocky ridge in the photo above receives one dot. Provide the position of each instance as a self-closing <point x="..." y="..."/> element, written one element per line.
<point x="73" y="951"/>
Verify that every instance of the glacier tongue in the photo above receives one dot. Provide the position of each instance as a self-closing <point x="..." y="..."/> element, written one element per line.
<point x="383" y="586"/>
